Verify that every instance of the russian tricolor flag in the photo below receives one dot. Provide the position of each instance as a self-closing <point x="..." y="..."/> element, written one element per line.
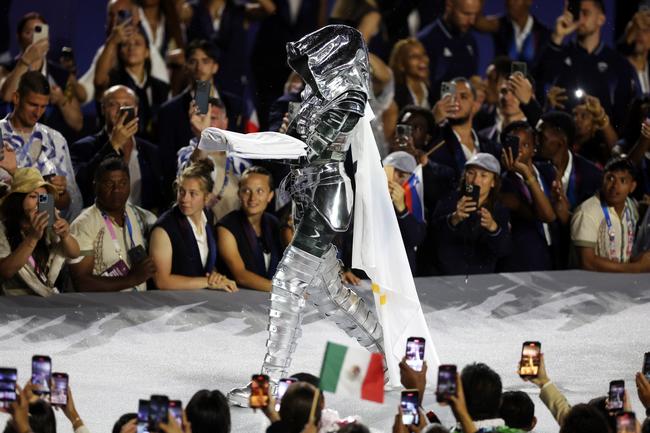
<point x="413" y="193"/>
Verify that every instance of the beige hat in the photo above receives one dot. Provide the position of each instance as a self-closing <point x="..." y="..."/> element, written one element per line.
<point x="29" y="179"/>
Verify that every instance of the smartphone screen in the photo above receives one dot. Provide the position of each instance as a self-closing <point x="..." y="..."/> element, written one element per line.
<point x="415" y="352"/>
<point x="202" y="96"/>
<point x="41" y="374"/>
<point x="130" y="113"/>
<point x="529" y="363"/>
<point x="282" y="387"/>
<point x="8" y="377"/>
<point x="446" y="382"/>
<point x="59" y="389"/>
<point x="158" y="411"/>
<point x="176" y="409"/>
<point x="143" y="416"/>
<point x="626" y="422"/>
<point x="646" y="365"/>
<point x="409" y="402"/>
<point x="616" y="395"/>
<point x="512" y="142"/>
<point x="259" y="390"/>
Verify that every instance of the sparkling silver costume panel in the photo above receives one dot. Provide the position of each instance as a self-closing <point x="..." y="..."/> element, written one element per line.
<point x="333" y="61"/>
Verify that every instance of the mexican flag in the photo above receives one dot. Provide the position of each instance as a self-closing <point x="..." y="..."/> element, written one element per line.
<point x="356" y="372"/>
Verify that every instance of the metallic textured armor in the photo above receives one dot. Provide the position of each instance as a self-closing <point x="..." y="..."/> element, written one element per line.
<point x="333" y="61"/>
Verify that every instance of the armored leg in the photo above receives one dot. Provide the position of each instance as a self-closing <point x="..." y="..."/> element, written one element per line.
<point x="349" y="311"/>
<point x="295" y="272"/>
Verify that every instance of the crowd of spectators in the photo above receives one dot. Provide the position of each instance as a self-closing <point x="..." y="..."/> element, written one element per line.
<point x="541" y="162"/>
<point x="474" y="394"/>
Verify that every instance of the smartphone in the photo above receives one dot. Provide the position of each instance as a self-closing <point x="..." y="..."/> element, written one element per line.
<point x="130" y="113"/>
<point x="176" y="409"/>
<point x="202" y="95"/>
<point x="59" y="389"/>
<point x="282" y="387"/>
<point x="293" y="110"/>
<point x="410" y="401"/>
<point x="446" y="386"/>
<point x="46" y="204"/>
<point x="626" y="422"/>
<point x="415" y="352"/>
<point x="41" y="374"/>
<point x="8" y="378"/>
<point x="403" y="133"/>
<point x="579" y="96"/>
<point x="158" y="411"/>
<point x="474" y="192"/>
<point x="519" y="67"/>
<point x="646" y="365"/>
<point x="447" y="88"/>
<point x="512" y="141"/>
<point x="124" y="17"/>
<point x="136" y="254"/>
<point x="616" y="396"/>
<point x="143" y="416"/>
<point x="259" y="391"/>
<point x="529" y="363"/>
<point x="41" y="31"/>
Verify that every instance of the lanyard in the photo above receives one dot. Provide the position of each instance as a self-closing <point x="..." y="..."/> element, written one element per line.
<point x="611" y="233"/>
<point x="37" y="270"/>
<point x="111" y="231"/>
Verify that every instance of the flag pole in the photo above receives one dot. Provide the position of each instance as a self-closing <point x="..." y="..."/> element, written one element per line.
<point x="314" y="403"/>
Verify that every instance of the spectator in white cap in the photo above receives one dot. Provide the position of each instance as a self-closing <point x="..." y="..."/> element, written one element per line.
<point x="473" y="226"/>
<point x="399" y="167"/>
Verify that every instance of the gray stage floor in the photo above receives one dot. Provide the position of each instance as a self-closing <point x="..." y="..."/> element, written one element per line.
<point x="121" y="347"/>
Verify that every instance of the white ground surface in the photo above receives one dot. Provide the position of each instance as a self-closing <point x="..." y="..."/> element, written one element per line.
<point x="121" y="347"/>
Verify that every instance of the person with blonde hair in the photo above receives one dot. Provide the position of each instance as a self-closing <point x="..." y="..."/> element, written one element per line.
<point x="183" y="244"/>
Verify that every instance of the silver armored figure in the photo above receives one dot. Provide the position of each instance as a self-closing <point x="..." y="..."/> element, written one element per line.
<point x="333" y="62"/>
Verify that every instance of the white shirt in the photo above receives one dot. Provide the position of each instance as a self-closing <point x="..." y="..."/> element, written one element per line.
<point x="425" y="97"/>
<point x="201" y="239"/>
<point x="155" y="40"/>
<point x="294" y="9"/>
<point x="522" y="33"/>
<point x="136" y="178"/>
<point x="466" y="150"/>
<point x="567" y="173"/>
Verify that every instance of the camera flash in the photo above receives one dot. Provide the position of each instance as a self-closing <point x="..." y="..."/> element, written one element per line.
<point x="579" y="93"/>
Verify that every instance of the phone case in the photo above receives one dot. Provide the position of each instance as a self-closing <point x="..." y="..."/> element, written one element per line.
<point x="202" y="96"/>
